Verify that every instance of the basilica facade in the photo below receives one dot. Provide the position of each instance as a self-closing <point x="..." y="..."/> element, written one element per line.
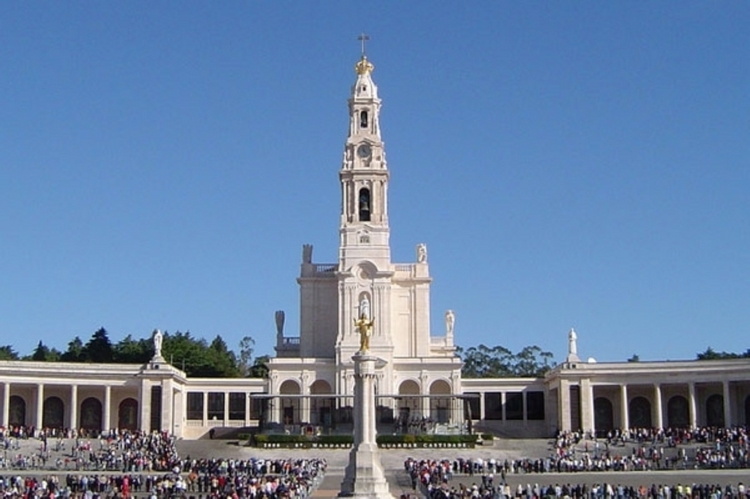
<point x="310" y="383"/>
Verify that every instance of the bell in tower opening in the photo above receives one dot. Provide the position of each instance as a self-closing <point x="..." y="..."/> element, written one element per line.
<point x="364" y="205"/>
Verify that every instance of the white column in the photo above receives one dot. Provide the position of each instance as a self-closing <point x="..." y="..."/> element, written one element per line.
<point x="624" y="416"/>
<point x="727" y="405"/>
<point x="588" y="423"/>
<point x="692" y="406"/>
<point x="107" y="422"/>
<point x="525" y="407"/>
<point x="502" y="406"/>
<point x="144" y="422"/>
<point x="563" y="405"/>
<point x="73" y="423"/>
<point x="6" y="404"/>
<point x="226" y="409"/>
<point x="247" y="409"/>
<point x="39" y="405"/>
<point x="659" y="419"/>
<point x="482" y="409"/>
<point x="205" y="409"/>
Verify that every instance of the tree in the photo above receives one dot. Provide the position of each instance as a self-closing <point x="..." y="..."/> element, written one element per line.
<point x="634" y="358"/>
<point x="43" y="353"/>
<point x="99" y="348"/>
<point x="711" y="354"/>
<point x="75" y="352"/>
<point x="499" y="362"/>
<point x="131" y="351"/>
<point x="7" y="353"/>
<point x="259" y="369"/>
<point x="247" y="347"/>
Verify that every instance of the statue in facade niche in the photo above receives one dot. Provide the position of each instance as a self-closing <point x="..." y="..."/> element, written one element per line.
<point x="421" y="253"/>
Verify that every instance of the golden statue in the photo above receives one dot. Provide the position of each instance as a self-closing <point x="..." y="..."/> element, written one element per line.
<point x="365" y="331"/>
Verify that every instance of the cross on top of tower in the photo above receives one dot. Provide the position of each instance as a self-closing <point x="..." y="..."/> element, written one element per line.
<point x="363" y="38"/>
<point x="363" y="66"/>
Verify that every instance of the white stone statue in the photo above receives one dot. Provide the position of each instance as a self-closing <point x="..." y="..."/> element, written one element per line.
<point x="572" y="347"/>
<point x="364" y="307"/>
<point x="421" y="253"/>
<point x="450" y="322"/>
<point x="158" y="339"/>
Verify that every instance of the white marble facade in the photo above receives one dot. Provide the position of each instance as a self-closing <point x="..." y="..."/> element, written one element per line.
<point x="312" y="374"/>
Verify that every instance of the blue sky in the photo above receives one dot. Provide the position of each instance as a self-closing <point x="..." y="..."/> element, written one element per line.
<point x="568" y="164"/>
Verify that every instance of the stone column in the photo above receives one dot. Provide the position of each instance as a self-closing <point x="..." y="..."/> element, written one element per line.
<point x="205" y="409"/>
<point x="39" y="406"/>
<point x="588" y="423"/>
<point x="727" y="405"/>
<point x="525" y="408"/>
<point x="658" y="420"/>
<point x="226" y="409"/>
<point x="73" y="422"/>
<point x="167" y="406"/>
<point x="107" y="420"/>
<point x="502" y="407"/>
<point x="6" y="404"/>
<point x="247" y="409"/>
<point x="563" y="405"/>
<point x="424" y="402"/>
<point x="364" y="476"/>
<point x="624" y="416"/>
<point x="692" y="406"/>
<point x="144" y="422"/>
<point x="482" y="409"/>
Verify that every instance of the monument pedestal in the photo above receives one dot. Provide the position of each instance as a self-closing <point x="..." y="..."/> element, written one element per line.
<point x="364" y="476"/>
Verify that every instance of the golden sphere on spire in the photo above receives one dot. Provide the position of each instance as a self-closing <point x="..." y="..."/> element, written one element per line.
<point x="364" y="66"/>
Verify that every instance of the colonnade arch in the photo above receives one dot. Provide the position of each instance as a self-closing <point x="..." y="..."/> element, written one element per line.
<point x="603" y="415"/>
<point x="678" y="415"/>
<point x="17" y="414"/>
<point x="53" y="413"/>
<point x="639" y="413"/>
<point x="715" y="411"/>
<point x="321" y="409"/>
<point x="290" y="405"/>
<point x="408" y="403"/>
<point x="440" y="407"/>
<point x="127" y="414"/>
<point x="91" y="414"/>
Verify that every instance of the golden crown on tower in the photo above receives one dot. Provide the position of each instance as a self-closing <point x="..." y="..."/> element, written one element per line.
<point x="364" y="66"/>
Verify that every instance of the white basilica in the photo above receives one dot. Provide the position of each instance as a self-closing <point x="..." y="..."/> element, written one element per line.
<point x="311" y="377"/>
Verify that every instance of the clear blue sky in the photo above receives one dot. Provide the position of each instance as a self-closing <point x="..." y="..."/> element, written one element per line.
<point x="568" y="164"/>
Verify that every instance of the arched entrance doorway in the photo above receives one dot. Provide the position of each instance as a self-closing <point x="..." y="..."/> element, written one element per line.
<point x="91" y="415"/>
<point x="127" y="414"/>
<point x="289" y="405"/>
<point x="321" y="408"/>
<point x="603" y="416"/>
<point x="440" y="401"/>
<point x="715" y="411"/>
<point x="53" y="413"/>
<point x="17" y="416"/>
<point x="408" y="405"/>
<point x="639" y="413"/>
<point x="677" y="412"/>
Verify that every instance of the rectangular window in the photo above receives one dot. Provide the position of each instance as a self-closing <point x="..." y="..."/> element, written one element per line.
<point x="258" y="408"/>
<point x="514" y="406"/>
<point x="215" y="406"/>
<point x="237" y="406"/>
<point x="535" y="406"/>
<point x="195" y="405"/>
<point x="493" y="409"/>
<point x="155" y="408"/>
<point x="471" y="406"/>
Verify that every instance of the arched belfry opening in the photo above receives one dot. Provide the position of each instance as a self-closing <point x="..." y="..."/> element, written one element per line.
<point x="364" y="204"/>
<point x="363" y="119"/>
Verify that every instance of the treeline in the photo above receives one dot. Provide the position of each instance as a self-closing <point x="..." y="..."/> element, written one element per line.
<point x="499" y="362"/>
<point x="195" y="356"/>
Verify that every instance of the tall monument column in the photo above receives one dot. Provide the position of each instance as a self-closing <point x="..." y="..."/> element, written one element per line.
<point x="364" y="475"/>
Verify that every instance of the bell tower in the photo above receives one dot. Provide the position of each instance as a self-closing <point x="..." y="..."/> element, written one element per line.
<point x="364" y="232"/>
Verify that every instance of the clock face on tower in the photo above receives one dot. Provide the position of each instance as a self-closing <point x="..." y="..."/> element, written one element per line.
<point x="364" y="151"/>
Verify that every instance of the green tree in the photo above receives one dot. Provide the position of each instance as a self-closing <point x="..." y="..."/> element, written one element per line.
<point x="634" y="358"/>
<point x="75" y="352"/>
<point x="247" y="347"/>
<point x="99" y="348"/>
<point x="499" y="362"/>
<point x="7" y="353"/>
<point x="711" y="354"/>
<point x="132" y="351"/>
<point x="45" y="354"/>
<point x="259" y="369"/>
